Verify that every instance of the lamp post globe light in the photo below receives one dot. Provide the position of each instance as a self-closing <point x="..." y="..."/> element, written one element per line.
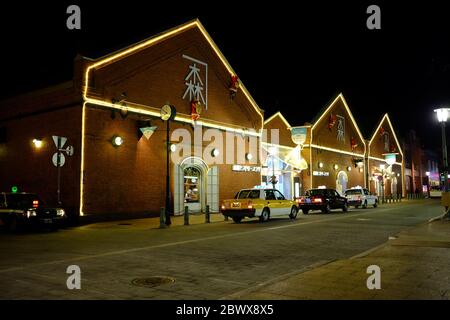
<point x="442" y="116"/>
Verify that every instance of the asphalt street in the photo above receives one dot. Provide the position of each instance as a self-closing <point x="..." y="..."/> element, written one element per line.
<point x="204" y="261"/>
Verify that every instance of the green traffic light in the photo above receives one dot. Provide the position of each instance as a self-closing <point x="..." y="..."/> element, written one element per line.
<point x="14" y="189"/>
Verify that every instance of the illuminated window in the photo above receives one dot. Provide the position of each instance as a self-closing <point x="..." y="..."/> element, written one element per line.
<point x="192" y="185"/>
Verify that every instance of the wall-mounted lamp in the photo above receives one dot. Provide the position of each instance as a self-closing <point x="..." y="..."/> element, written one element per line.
<point x="117" y="141"/>
<point x="215" y="152"/>
<point x="349" y="168"/>
<point x="173" y="147"/>
<point x="123" y="113"/>
<point x="37" y="143"/>
<point x="320" y="165"/>
<point x="248" y="156"/>
<point x="361" y="170"/>
<point x="336" y="167"/>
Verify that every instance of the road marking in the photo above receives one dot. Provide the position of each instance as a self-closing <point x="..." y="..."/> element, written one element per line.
<point x="177" y="243"/>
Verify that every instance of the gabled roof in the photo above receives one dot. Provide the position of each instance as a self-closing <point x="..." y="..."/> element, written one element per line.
<point x="386" y="117"/>
<point x="278" y="114"/>
<point x="161" y="37"/>
<point x="340" y="97"/>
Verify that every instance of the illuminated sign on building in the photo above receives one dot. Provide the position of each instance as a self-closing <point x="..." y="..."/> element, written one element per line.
<point x="246" y="168"/>
<point x="340" y="128"/>
<point x="321" y="173"/>
<point x="196" y="88"/>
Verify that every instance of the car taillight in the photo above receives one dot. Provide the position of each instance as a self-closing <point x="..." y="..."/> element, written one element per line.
<point x="250" y="205"/>
<point x="35" y="203"/>
<point x="300" y="200"/>
<point x="317" y="200"/>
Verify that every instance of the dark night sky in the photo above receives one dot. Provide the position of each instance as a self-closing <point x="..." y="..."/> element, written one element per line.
<point x="291" y="58"/>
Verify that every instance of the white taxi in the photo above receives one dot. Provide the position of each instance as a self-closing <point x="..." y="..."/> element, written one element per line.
<point x="358" y="196"/>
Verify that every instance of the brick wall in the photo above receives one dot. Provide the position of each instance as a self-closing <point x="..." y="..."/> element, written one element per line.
<point x="31" y="169"/>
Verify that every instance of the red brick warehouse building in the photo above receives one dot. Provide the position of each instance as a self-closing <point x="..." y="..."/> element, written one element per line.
<point x="333" y="151"/>
<point x="111" y="114"/>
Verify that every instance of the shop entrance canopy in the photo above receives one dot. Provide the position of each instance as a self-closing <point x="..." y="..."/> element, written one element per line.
<point x="290" y="156"/>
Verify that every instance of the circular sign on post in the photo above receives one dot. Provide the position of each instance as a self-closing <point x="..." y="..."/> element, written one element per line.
<point x="62" y="160"/>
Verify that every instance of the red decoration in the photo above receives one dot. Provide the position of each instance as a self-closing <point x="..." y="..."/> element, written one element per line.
<point x="234" y="86"/>
<point x="196" y="108"/>
<point x="332" y="121"/>
<point x="393" y="148"/>
<point x="353" y="144"/>
<point x="382" y="131"/>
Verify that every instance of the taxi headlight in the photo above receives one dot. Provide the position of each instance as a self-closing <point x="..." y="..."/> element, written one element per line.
<point x="60" y="212"/>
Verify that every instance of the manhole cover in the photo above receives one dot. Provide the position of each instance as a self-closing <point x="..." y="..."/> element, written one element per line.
<point x="151" y="282"/>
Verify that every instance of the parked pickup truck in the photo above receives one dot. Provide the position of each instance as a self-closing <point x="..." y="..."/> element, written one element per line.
<point x="19" y="210"/>
<point x="261" y="203"/>
<point x="361" y="197"/>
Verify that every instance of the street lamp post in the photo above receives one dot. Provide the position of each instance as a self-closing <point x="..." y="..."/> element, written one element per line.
<point x="168" y="113"/>
<point x="442" y="115"/>
<point x="382" y="167"/>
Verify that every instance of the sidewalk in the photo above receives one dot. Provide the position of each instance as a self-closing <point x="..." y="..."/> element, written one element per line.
<point x="152" y="223"/>
<point x="414" y="265"/>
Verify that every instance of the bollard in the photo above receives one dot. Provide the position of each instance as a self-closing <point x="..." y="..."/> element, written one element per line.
<point x="186" y="215"/>
<point x="207" y="220"/>
<point x="162" y="218"/>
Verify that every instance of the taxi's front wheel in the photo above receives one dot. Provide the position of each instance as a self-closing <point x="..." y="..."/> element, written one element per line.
<point x="293" y="214"/>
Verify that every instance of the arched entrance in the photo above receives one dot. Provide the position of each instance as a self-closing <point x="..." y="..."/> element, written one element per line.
<point x="379" y="186"/>
<point x="341" y="182"/>
<point x="195" y="186"/>
<point x="394" y="186"/>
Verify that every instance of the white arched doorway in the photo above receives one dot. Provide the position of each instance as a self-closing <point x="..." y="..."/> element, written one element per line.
<point x="341" y="182"/>
<point x="394" y="186"/>
<point x="195" y="186"/>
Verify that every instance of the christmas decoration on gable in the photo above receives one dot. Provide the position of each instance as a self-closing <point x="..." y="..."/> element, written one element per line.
<point x="393" y="148"/>
<point x="382" y="131"/>
<point x="332" y="121"/>
<point x="196" y="109"/>
<point x="234" y="86"/>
